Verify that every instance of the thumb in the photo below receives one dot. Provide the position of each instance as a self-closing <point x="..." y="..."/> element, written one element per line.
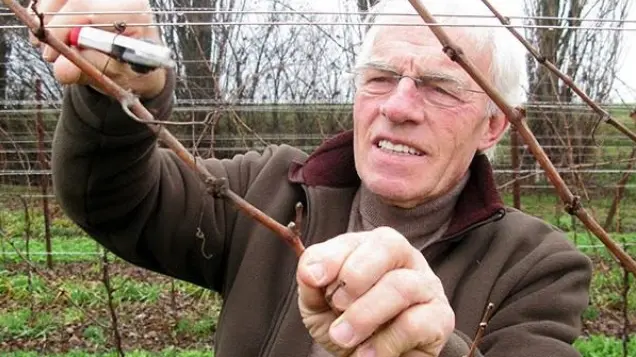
<point x="317" y="315"/>
<point x="68" y="73"/>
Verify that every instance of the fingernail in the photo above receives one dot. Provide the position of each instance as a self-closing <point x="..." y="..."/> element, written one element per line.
<point x="317" y="271"/>
<point x="341" y="299"/>
<point x="367" y="351"/>
<point x="46" y="54"/>
<point x="342" y="333"/>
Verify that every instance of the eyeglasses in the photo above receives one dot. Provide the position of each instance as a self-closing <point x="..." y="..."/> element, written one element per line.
<point x="438" y="91"/>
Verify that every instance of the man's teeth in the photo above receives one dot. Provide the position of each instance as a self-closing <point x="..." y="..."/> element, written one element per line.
<point x="387" y="145"/>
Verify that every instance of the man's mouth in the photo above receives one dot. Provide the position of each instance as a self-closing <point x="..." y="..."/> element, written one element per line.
<point x="398" y="148"/>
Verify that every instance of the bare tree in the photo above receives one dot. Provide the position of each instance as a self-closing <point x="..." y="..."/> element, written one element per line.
<point x="365" y="5"/>
<point x="5" y="54"/>
<point x="267" y="60"/>
<point x="575" y="36"/>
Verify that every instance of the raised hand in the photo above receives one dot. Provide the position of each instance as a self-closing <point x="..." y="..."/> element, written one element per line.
<point x="391" y="301"/>
<point x="95" y="12"/>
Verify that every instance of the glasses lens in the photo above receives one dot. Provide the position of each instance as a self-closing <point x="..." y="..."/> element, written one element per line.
<point x="436" y="92"/>
<point x="442" y="94"/>
<point x="376" y="82"/>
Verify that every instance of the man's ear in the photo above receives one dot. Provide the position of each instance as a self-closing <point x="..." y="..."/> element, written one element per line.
<point x="496" y="128"/>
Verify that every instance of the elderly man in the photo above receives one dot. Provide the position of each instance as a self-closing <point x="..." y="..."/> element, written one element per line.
<point x="403" y="215"/>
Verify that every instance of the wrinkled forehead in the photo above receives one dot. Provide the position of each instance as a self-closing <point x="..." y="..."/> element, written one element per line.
<point x="413" y="45"/>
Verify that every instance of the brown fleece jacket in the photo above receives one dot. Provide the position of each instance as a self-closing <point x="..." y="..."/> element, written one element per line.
<point x="145" y="205"/>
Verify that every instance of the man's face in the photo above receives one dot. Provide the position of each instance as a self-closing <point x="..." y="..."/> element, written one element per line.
<point x="413" y="143"/>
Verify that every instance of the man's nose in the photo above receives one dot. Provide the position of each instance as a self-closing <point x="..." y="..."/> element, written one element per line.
<point x="404" y="103"/>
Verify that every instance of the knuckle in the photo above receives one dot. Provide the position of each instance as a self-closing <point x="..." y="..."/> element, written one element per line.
<point x="363" y="267"/>
<point x="448" y="320"/>
<point x="437" y="288"/>
<point x="354" y="277"/>
<point x="410" y="285"/>
<point x="405" y="285"/>
<point x="433" y="281"/>
<point x="393" y="240"/>
<point x="390" y="235"/>
<point x="386" y="230"/>
<point x="310" y="252"/>
<point x="413" y="325"/>
<point x="416" y="324"/>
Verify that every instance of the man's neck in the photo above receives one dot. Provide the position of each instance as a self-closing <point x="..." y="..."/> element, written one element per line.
<point x="421" y="225"/>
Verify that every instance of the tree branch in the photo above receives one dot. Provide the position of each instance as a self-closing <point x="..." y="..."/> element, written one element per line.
<point x="111" y="304"/>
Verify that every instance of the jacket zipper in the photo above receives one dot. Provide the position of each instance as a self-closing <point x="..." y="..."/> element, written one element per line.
<point x="280" y="312"/>
<point x="494" y="217"/>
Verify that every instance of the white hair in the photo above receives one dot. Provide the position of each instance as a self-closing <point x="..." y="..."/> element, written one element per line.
<point x="507" y="71"/>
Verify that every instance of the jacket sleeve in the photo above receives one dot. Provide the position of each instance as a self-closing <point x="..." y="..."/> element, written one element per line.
<point x="539" y="299"/>
<point x="140" y="201"/>
<point x="541" y="314"/>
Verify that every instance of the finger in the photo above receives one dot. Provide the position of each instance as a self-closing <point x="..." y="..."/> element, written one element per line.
<point x="385" y="250"/>
<point x="317" y="267"/>
<point x="320" y="263"/>
<point x="396" y="291"/>
<point x="316" y="313"/>
<point x="319" y="317"/>
<point x="420" y="331"/>
<point x="67" y="72"/>
<point x="311" y="299"/>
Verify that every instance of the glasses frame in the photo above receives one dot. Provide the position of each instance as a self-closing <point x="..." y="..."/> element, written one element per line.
<point x="358" y="72"/>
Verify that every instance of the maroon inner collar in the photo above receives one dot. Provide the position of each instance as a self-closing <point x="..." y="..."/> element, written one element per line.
<point x="332" y="164"/>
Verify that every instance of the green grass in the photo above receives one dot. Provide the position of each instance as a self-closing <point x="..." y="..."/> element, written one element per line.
<point x="95" y="334"/>
<point x="66" y="237"/>
<point x="13" y="223"/>
<point x="63" y="249"/>
<point x="602" y="346"/>
<point x="199" y="326"/>
<point x="83" y="293"/>
<point x="607" y="289"/>
<point x="547" y="206"/>
<point x="128" y="290"/>
<point x="57" y="304"/>
<point x="22" y="323"/>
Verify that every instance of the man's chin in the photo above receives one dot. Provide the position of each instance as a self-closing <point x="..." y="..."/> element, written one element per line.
<point x="398" y="194"/>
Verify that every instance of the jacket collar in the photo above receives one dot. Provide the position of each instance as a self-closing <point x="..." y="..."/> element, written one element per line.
<point x="332" y="165"/>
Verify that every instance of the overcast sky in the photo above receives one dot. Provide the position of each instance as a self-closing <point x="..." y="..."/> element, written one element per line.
<point x="627" y="70"/>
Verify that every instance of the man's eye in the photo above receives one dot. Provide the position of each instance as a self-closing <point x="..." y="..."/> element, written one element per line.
<point x="379" y="79"/>
<point x="445" y="90"/>
<point x="440" y="89"/>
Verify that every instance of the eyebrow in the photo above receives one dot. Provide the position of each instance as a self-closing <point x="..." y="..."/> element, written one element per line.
<point x="429" y="75"/>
